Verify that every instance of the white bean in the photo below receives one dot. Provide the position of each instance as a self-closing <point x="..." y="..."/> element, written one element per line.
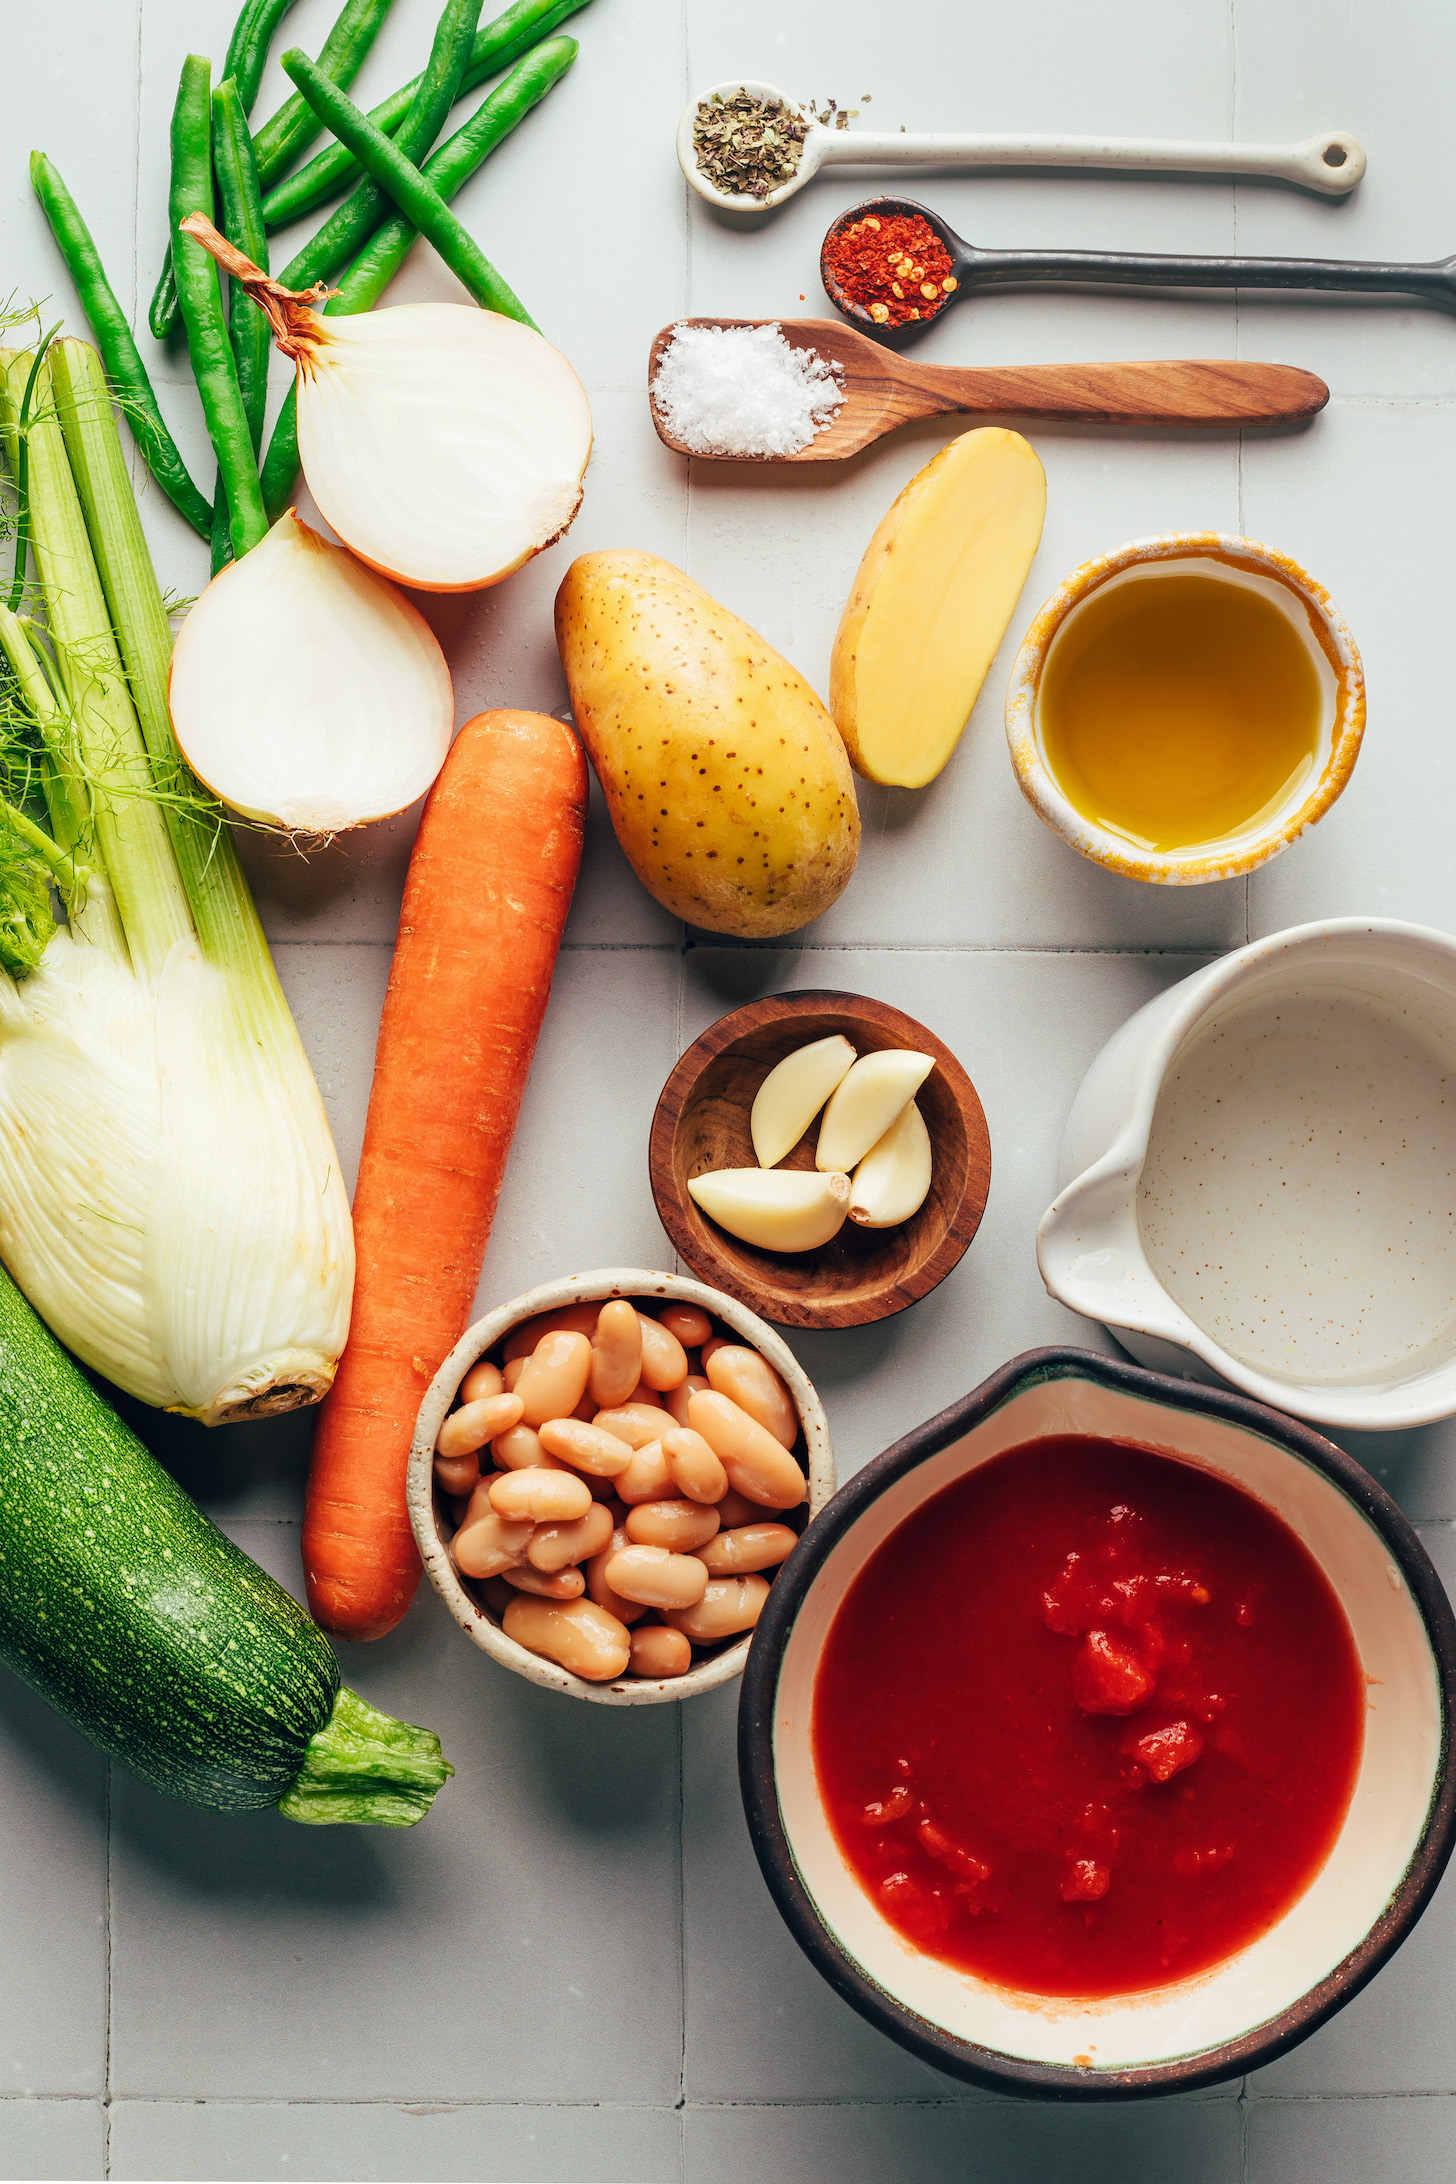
<point x="549" y="1584"/>
<point x="577" y="1634"/>
<point x="684" y="1526"/>
<point x="728" y="1604"/>
<point x="555" y="1377"/>
<point x="751" y="1382"/>
<point x="656" y="1577"/>
<point x="546" y="1497"/>
<point x="489" y="1543"/>
<point x="757" y="1465"/>
<point x="747" y="1547"/>
<point x="658" y="1651"/>
<point x="555" y="1546"/>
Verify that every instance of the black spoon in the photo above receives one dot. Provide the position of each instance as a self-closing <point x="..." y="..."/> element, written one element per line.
<point x="974" y="269"/>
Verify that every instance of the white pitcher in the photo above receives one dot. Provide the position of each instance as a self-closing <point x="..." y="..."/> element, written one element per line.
<point x="1274" y="1139"/>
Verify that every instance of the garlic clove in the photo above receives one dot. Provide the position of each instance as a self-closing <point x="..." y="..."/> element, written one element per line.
<point x="893" y="1179"/>
<point x="779" y="1209"/>
<point x="866" y="1102"/>
<point x="792" y="1094"/>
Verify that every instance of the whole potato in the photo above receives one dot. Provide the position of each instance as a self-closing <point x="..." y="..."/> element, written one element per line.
<point x="727" y="782"/>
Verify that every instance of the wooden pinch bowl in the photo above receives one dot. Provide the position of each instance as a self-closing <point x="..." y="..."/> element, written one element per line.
<point x="863" y="1274"/>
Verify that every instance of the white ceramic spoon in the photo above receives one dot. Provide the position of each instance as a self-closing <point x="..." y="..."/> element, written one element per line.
<point x="1331" y="163"/>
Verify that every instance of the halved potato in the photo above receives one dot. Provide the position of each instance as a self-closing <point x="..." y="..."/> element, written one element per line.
<point x="935" y="591"/>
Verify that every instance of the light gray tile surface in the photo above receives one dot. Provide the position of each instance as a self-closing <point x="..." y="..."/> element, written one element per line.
<point x="573" y="1971"/>
<point x="964" y="2142"/>
<point x="498" y="1953"/>
<point x="1351" y="2142"/>
<point x="52" y="1904"/>
<point x="363" y="2141"/>
<point x="58" y="2139"/>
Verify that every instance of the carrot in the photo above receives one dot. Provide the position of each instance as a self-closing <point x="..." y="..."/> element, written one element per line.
<point x="485" y="902"/>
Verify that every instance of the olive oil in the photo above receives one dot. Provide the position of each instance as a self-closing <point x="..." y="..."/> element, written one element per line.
<point x="1178" y="710"/>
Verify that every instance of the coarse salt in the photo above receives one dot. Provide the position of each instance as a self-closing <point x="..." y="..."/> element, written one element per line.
<point x="743" y="390"/>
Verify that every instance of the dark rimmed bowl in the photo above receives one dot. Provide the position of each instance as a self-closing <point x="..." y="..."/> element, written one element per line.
<point x="1386" y="1861"/>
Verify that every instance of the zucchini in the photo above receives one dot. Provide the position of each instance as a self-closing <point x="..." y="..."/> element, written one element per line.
<point x="157" y="1637"/>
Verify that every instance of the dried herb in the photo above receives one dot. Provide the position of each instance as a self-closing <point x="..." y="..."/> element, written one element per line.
<point x="747" y="146"/>
<point x="832" y="115"/>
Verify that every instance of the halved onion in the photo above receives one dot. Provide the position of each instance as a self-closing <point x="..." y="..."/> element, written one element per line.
<point x="308" y="693"/>
<point x="444" y="444"/>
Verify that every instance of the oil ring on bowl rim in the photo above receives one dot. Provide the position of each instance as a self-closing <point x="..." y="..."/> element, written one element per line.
<point x="993" y="2068"/>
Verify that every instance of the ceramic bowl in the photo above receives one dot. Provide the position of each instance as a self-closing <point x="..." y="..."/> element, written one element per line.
<point x="862" y="1274"/>
<point x="431" y="1532"/>
<point x="1386" y="1860"/>
<point x="1319" y="624"/>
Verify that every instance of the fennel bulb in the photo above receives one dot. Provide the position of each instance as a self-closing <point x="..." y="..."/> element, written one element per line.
<point x="170" y="1196"/>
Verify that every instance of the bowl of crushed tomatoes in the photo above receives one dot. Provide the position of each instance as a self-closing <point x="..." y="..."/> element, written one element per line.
<point x="1093" y="1741"/>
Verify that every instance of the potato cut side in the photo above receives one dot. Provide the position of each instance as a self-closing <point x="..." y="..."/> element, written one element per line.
<point x="935" y="591"/>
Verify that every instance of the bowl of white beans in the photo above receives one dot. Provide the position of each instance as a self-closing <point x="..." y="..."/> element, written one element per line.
<point x="607" y="1475"/>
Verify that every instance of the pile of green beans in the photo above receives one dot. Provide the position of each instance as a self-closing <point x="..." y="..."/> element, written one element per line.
<point x="367" y="204"/>
<point x="293" y="128"/>
<point x="363" y="283"/>
<point x="497" y="47"/>
<point x="392" y="171"/>
<point x="199" y="296"/>
<point x="393" y="200"/>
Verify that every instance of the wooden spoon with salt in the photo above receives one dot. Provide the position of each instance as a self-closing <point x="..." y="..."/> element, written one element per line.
<point x="883" y="390"/>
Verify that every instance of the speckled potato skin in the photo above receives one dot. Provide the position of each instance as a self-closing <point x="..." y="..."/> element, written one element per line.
<point x="727" y="782"/>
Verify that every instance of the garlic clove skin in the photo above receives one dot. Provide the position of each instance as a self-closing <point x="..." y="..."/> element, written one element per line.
<point x="893" y="1179"/>
<point x="866" y="1102"/>
<point x="792" y="1094"/>
<point x="779" y="1209"/>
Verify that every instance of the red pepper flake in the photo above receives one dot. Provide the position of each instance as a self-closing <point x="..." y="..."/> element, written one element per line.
<point x="895" y="269"/>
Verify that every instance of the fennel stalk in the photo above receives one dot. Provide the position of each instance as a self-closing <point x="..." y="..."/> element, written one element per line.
<point x="170" y="1196"/>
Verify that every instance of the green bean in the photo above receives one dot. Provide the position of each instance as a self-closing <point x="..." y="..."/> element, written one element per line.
<point x="454" y="163"/>
<point x="119" y="353"/>
<point x="418" y="199"/>
<point x="289" y="133"/>
<point x="367" y="204"/>
<point x="200" y="300"/>
<point x="382" y="256"/>
<point x="248" y="328"/>
<point x="495" y="48"/>
<point x="292" y="129"/>
<point x="247" y="52"/>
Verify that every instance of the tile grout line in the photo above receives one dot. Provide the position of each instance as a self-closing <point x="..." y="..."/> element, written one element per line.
<point x="714" y="944"/>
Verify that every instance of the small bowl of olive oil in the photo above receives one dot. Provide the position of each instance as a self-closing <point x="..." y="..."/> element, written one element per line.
<point x="1184" y="708"/>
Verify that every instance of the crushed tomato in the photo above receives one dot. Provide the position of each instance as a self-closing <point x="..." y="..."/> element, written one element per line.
<point x="1088" y="1721"/>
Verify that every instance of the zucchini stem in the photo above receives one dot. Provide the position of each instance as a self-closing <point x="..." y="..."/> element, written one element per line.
<point x="366" y="1768"/>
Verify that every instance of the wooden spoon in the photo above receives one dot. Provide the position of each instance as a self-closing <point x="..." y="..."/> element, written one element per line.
<point x="883" y="390"/>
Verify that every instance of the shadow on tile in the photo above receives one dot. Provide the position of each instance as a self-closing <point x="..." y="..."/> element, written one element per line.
<point x="249" y="1857"/>
<point x="959" y="2142"/>
<point x="253" y="1470"/>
